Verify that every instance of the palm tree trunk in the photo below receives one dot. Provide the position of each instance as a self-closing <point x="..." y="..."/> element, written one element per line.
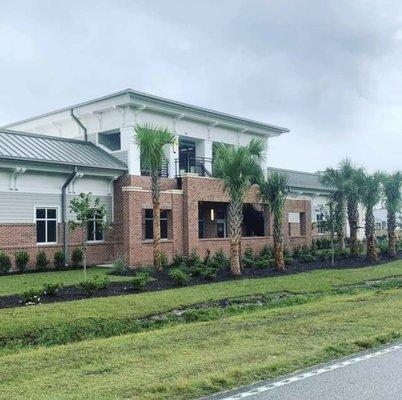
<point x="156" y="214"/>
<point x="353" y="219"/>
<point x="372" y="253"/>
<point x="340" y="215"/>
<point x="235" y="226"/>
<point x="278" y="242"/>
<point x="391" y="221"/>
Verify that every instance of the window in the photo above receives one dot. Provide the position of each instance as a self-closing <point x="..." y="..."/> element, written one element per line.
<point x="111" y="140"/>
<point x="149" y="228"/>
<point x="201" y="223"/>
<point x="95" y="227"/>
<point x="221" y="224"/>
<point x="46" y="225"/>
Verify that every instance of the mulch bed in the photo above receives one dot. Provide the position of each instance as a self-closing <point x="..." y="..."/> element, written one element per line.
<point x="164" y="282"/>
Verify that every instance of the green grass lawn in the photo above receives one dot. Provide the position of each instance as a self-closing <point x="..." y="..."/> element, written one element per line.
<point x="59" y="323"/>
<point x="190" y="360"/>
<point x="14" y="284"/>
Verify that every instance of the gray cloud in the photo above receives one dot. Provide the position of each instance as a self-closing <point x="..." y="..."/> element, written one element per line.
<point x="328" y="70"/>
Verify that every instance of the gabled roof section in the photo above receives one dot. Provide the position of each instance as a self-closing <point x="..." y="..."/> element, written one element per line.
<point x="53" y="150"/>
<point x="302" y="180"/>
<point x="140" y="100"/>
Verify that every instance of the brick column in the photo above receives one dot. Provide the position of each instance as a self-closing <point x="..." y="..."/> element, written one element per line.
<point x="190" y="214"/>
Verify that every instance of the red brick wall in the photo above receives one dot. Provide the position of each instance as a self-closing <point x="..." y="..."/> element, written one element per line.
<point x="23" y="237"/>
<point x="184" y="205"/>
<point x="126" y="237"/>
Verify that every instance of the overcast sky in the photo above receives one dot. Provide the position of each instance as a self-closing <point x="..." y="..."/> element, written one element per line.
<point x="330" y="71"/>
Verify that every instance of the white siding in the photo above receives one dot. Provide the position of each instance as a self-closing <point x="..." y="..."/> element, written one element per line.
<point x="18" y="208"/>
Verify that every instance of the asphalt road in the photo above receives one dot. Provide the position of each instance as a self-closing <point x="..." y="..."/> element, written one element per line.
<point x="370" y="376"/>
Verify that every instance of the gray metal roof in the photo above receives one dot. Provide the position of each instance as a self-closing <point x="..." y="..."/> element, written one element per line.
<point x="48" y="149"/>
<point x="302" y="180"/>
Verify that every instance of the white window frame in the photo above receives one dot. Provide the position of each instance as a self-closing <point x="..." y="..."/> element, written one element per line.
<point x="93" y="221"/>
<point x="46" y="219"/>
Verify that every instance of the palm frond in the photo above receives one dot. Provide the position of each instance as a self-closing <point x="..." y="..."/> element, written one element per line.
<point x="151" y="140"/>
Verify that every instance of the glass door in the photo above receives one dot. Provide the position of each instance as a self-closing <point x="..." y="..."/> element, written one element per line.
<point x="187" y="162"/>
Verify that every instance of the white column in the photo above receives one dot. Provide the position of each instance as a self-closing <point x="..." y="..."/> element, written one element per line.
<point x="204" y="149"/>
<point x="133" y="151"/>
<point x="172" y="153"/>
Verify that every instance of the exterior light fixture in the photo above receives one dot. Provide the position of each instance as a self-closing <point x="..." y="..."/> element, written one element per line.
<point x="212" y="214"/>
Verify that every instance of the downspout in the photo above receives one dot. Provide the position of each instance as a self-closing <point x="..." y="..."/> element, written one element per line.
<point x="80" y="124"/>
<point x="64" y="214"/>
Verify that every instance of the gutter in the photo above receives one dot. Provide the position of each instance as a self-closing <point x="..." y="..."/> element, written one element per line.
<point x="80" y="124"/>
<point x="64" y="214"/>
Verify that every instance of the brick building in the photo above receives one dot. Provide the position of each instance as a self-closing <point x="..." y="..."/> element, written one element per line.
<point x="89" y="147"/>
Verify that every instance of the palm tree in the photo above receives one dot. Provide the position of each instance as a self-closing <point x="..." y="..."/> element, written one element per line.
<point x="151" y="140"/>
<point x="392" y="185"/>
<point x="273" y="192"/>
<point x="239" y="167"/>
<point x="370" y="194"/>
<point x="333" y="178"/>
<point x="351" y="176"/>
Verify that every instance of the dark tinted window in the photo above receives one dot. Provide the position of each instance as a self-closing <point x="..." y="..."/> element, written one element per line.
<point x="149" y="229"/>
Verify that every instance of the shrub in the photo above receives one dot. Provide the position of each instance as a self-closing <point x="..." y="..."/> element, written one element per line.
<point x="179" y="259"/>
<point x="5" y="262"/>
<point x="265" y="263"/>
<point x="91" y="286"/>
<point x="141" y="280"/>
<point x="296" y="252"/>
<point x="325" y="255"/>
<point x="194" y="259"/>
<point x="383" y="246"/>
<point x="307" y="257"/>
<point x="119" y="268"/>
<point x="248" y="258"/>
<point x="339" y="255"/>
<point x="209" y="273"/>
<point x="31" y="296"/>
<point x="180" y="277"/>
<point x="21" y="260"/>
<point x="288" y="260"/>
<point x="266" y="252"/>
<point x="221" y="259"/>
<point x="58" y="260"/>
<point x="164" y="260"/>
<point x="42" y="260"/>
<point x="77" y="256"/>
<point x="51" y="289"/>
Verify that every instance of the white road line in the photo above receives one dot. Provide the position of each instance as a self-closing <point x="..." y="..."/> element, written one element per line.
<point x="305" y="375"/>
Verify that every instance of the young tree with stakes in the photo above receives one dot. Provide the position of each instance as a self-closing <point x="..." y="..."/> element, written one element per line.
<point x="86" y="209"/>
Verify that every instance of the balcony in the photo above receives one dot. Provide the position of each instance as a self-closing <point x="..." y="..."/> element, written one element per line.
<point x="163" y="173"/>
<point x="194" y="165"/>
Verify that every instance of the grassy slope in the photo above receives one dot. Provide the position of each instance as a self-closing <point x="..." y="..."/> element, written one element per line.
<point x="89" y="317"/>
<point x="187" y="361"/>
<point x="14" y="284"/>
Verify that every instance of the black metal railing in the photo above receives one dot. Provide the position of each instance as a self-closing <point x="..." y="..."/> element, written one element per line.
<point x="195" y="165"/>
<point x="164" y="171"/>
